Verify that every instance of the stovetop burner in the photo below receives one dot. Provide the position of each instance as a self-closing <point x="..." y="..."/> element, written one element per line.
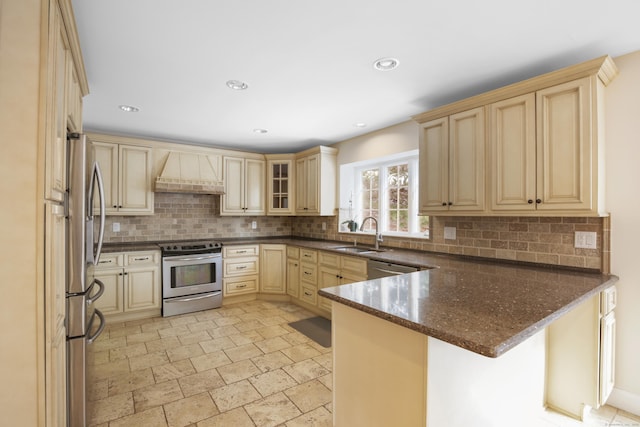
<point x="180" y="248"/>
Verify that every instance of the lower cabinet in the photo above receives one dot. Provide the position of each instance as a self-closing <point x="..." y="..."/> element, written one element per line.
<point x="132" y="282"/>
<point x="580" y="355"/>
<point x="240" y="269"/>
<point x="273" y="277"/>
<point x="293" y="271"/>
<point x="335" y="270"/>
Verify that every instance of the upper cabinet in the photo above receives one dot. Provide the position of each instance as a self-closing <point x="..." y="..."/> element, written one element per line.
<point x="280" y="184"/>
<point x="126" y="174"/>
<point x="544" y="144"/>
<point x="452" y="163"/>
<point x="316" y="181"/>
<point x="244" y="179"/>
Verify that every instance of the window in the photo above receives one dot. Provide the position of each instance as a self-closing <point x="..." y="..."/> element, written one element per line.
<point x="386" y="189"/>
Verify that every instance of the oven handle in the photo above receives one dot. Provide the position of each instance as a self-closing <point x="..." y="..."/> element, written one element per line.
<point x="167" y="301"/>
<point x="199" y="258"/>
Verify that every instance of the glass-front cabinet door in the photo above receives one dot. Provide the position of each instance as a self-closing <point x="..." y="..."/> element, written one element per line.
<point x="280" y="184"/>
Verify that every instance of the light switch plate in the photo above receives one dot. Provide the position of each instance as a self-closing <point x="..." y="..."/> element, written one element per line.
<point x="586" y="240"/>
<point x="324" y="226"/>
<point x="450" y="233"/>
<point x="116" y="227"/>
<point x="254" y="225"/>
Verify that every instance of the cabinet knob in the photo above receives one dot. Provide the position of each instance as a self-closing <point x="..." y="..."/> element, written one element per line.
<point x="538" y="201"/>
<point x="450" y="203"/>
<point x="530" y="201"/>
<point x="115" y="206"/>
<point x="443" y="204"/>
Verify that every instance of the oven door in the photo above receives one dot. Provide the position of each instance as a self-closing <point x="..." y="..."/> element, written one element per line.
<point x="191" y="274"/>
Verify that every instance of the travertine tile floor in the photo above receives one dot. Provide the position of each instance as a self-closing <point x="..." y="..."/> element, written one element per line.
<point x="240" y="365"/>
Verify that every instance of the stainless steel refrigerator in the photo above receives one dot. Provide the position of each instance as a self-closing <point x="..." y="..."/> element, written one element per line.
<point x="85" y="233"/>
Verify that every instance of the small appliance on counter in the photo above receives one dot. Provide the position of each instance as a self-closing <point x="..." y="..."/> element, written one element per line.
<point x="191" y="277"/>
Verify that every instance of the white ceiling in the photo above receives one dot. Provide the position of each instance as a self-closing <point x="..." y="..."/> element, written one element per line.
<point x="308" y="64"/>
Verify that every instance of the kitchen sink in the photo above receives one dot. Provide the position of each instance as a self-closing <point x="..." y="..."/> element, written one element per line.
<point x="358" y="249"/>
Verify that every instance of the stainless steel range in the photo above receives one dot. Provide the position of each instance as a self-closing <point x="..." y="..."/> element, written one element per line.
<point x="191" y="277"/>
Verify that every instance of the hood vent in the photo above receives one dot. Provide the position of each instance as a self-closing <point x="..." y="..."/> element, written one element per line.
<point x="191" y="173"/>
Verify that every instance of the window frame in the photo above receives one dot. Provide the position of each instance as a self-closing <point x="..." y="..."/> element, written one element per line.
<point x="352" y="184"/>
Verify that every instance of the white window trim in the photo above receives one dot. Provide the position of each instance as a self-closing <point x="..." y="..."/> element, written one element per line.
<point x="350" y="191"/>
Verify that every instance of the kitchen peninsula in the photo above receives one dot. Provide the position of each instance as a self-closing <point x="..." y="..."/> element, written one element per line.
<point x="456" y="345"/>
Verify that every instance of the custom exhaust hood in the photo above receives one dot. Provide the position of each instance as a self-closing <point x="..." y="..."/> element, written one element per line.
<point x="191" y="173"/>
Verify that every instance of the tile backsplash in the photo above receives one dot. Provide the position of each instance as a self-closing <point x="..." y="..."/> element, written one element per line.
<point x="180" y="216"/>
<point x="547" y="240"/>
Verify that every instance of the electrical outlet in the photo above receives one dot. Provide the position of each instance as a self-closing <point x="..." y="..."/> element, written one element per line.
<point x="450" y="233"/>
<point x="324" y="226"/>
<point x="116" y="227"/>
<point x="586" y="240"/>
<point x="254" y="225"/>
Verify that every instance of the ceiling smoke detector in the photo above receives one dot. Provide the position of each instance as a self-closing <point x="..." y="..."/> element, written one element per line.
<point x="386" y="64"/>
<point x="237" y="85"/>
<point x="128" y="108"/>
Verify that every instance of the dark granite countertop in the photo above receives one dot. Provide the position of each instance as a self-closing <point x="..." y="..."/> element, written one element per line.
<point x="485" y="306"/>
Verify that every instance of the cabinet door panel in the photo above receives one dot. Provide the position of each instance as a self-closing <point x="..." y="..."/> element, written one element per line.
<point x="466" y="160"/>
<point x="607" y="356"/>
<point x="313" y="184"/>
<point x="273" y="272"/>
<point x="564" y="146"/>
<point x="233" y="199"/>
<point x="107" y="157"/>
<point x="141" y="290"/>
<point x="513" y="153"/>
<point x="254" y="186"/>
<point x="135" y="186"/>
<point x="434" y="161"/>
<point x="293" y="277"/>
<point x="301" y="185"/>
<point x="112" y="300"/>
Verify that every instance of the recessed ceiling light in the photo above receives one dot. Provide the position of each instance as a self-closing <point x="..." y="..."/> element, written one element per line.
<point x="360" y="125"/>
<point x="259" y="130"/>
<point x="129" y="108"/>
<point x="386" y="64"/>
<point x="237" y="85"/>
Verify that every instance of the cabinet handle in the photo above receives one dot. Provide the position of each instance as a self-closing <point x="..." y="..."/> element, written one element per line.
<point x="120" y="206"/>
<point x="450" y="203"/>
<point x="241" y="252"/>
<point x="115" y="206"/>
<point x="307" y="293"/>
<point x="125" y="273"/>
<point x="444" y="203"/>
<point x="120" y="274"/>
<point x="108" y="261"/>
<point x="141" y="259"/>
<point x="242" y="286"/>
<point x="530" y="201"/>
<point x="307" y="273"/>
<point x="241" y="267"/>
<point x="538" y="201"/>
<point x="307" y="255"/>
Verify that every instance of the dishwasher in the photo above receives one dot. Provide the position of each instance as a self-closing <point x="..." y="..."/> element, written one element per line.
<point x="379" y="269"/>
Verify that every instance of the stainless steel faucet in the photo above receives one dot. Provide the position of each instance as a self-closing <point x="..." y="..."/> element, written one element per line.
<point x="378" y="235"/>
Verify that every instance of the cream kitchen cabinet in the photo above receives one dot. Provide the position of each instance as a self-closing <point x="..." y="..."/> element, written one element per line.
<point x="273" y="274"/>
<point x="452" y="157"/>
<point x="280" y="184"/>
<point x="544" y="153"/>
<point x="581" y="355"/>
<point x="126" y="173"/>
<point x="240" y="269"/>
<point x="335" y="270"/>
<point x="132" y="284"/>
<point x="244" y="186"/>
<point x="293" y="271"/>
<point x="316" y="172"/>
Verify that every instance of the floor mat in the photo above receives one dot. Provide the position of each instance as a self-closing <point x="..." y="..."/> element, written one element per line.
<point x="317" y="328"/>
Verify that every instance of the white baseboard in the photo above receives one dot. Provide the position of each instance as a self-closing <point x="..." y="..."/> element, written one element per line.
<point x="625" y="400"/>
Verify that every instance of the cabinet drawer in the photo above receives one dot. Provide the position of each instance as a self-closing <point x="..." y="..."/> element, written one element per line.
<point x="293" y="252"/>
<point x="608" y="300"/>
<point x="109" y="260"/>
<point x="240" y="266"/>
<point x="308" y="294"/>
<point x="240" y="251"/>
<point x="142" y="258"/>
<point x="241" y="285"/>
<point x="354" y="265"/>
<point x="309" y="273"/>
<point x="329" y="259"/>
<point x="308" y="255"/>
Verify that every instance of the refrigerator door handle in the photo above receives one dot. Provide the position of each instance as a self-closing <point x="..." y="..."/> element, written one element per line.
<point x="92" y="338"/>
<point x="97" y="179"/>
<point x="92" y="298"/>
